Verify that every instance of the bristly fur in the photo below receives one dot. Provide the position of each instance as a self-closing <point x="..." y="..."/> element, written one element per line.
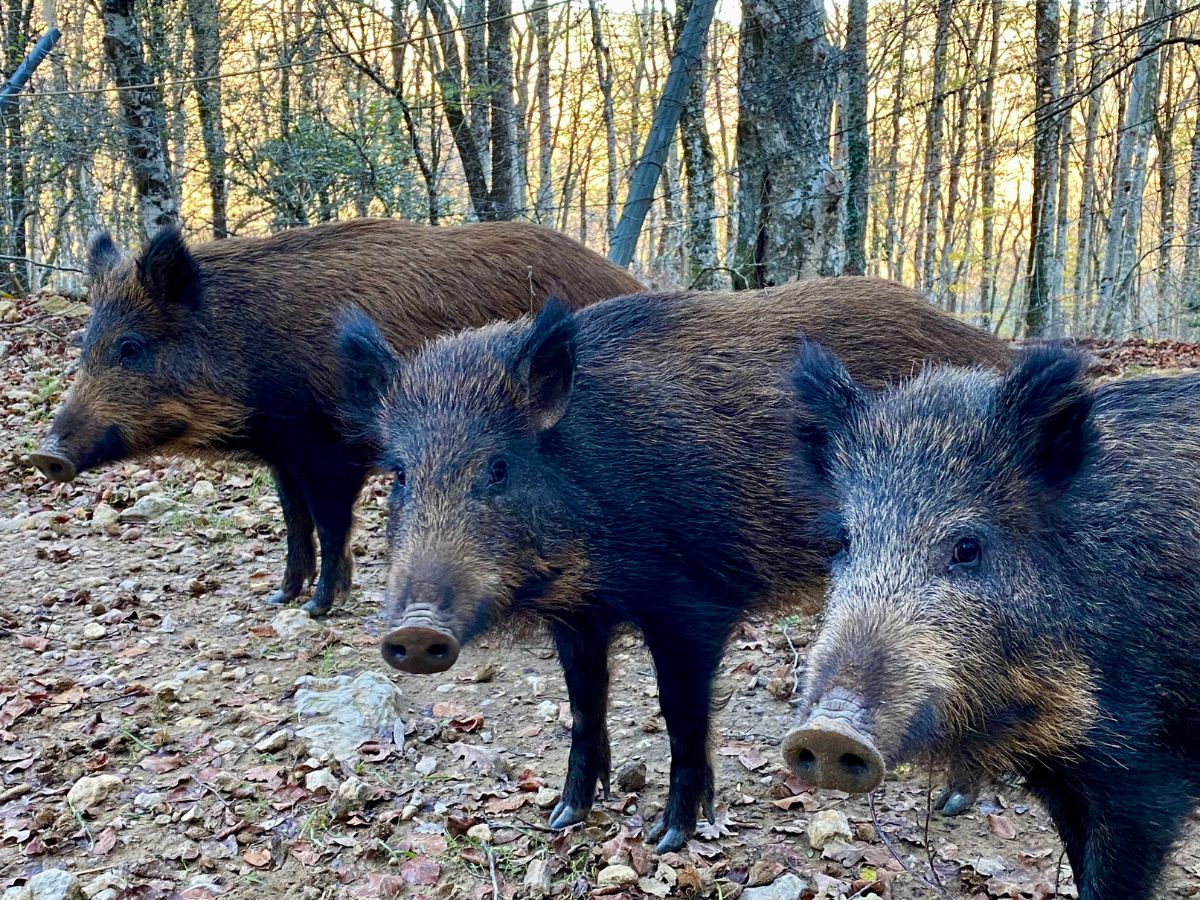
<point x="1067" y="655"/>
<point x="228" y="348"/>
<point x="643" y="444"/>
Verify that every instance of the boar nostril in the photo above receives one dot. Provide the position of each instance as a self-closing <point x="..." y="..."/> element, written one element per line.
<point x="805" y="758"/>
<point x="854" y="764"/>
<point x="438" y="651"/>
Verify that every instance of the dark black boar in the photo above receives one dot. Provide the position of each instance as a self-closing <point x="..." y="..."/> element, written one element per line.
<point x="625" y="464"/>
<point x="228" y="348"/>
<point x="1017" y="593"/>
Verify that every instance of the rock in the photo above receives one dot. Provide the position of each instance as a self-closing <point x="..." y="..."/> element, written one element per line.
<point x="243" y="519"/>
<point x="537" y="879"/>
<point x="91" y="790"/>
<point x="108" y="881"/>
<point x="631" y="777"/>
<point x="352" y="795"/>
<point x="204" y="490"/>
<point x="16" y="893"/>
<point x="54" y="884"/>
<point x="480" y="832"/>
<point x="293" y="623"/>
<point x="104" y="516"/>
<point x="616" y="876"/>
<point x="149" y="508"/>
<point x="171" y="689"/>
<point x="93" y="631"/>
<point x="827" y="825"/>
<point x="785" y="887"/>
<point x="343" y="712"/>
<point x="426" y="765"/>
<point x="548" y="710"/>
<point x="273" y="742"/>
<point x="321" y="778"/>
<point x="546" y="797"/>
<point x="145" y="800"/>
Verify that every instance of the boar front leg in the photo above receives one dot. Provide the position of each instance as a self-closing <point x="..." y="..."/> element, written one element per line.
<point x="332" y="492"/>
<point x="301" y="564"/>
<point x="583" y="651"/>
<point x="686" y="656"/>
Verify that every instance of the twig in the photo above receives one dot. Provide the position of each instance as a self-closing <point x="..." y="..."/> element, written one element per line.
<point x="928" y="814"/>
<point x="1058" y="871"/>
<point x="491" y="858"/>
<point x="787" y="634"/>
<point x="215" y="793"/>
<point x="892" y="850"/>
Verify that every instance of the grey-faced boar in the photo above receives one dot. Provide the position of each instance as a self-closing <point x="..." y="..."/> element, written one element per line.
<point x="622" y="464"/>
<point x="229" y="348"/>
<point x="1017" y="593"/>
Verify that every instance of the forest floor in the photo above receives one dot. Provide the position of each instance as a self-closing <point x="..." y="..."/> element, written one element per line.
<point x="141" y="655"/>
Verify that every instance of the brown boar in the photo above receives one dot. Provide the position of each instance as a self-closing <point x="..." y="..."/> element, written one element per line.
<point x="227" y="348"/>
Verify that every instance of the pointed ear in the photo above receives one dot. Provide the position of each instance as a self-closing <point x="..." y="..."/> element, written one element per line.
<point x="102" y="255"/>
<point x="168" y="272"/>
<point x="1046" y="400"/>
<point x="826" y="398"/>
<point x="368" y="369"/>
<point x="546" y="362"/>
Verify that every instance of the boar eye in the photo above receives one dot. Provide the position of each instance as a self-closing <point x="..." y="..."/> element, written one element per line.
<point x="966" y="554"/>
<point x="130" y="351"/>
<point x="498" y="473"/>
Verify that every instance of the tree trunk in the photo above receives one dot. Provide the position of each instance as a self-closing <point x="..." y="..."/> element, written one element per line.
<point x="1191" y="235"/>
<point x="699" y="161"/>
<point x="1057" y="317"/>
<point x="1081" y="286"/>
<point x="1040" y="277"/>
<point x="206" y="56"/>
<point x="604" y="80"/>
<point x="540" y="20"/>
<point x="477" y="83"/>
<point x="143" y="114"/>
<point x="933" y="146"/>
<point x="858" y="143"/>
<point x="895" y="262"/>
<point x="450" y="82"/>
<point x="789" y="198"/>
<point x="688" y="56"/>
<point x="987" y="285"/>
<point x="13" y="278"/>
<point x="1129" y="177"/>
<point x="501" y="199"/>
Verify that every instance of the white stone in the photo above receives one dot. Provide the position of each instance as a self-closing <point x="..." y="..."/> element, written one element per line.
<point x="204" y="490"/>
<point x="294" y="622"/>
<point x="93" y="631"/>
<point x="91" y="790"/>
<point x="243" y="519"/>
<point x="107" y="881"/>
<point x="54" y="884"/>
<point x="785" y="887"/>
<point x="616" y="876"/>
<point x="481" y="833"/>
<point x="273" y="742"/>
<point x="149" y="508"/>
<point x="545" y="797"/>
<point x="341" y="713"/>
<point x="104" y="516"/>
<point x="826" y="825"/>
<point x="321" y="778"/>
<point x="548" y="710"/>
<point x="352" y="795"/>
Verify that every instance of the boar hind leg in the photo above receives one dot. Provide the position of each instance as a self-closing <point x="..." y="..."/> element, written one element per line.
<point x="301" y="564"/>
<point x="583" y="651"/>
<point x="686" y="665"/>
<point x="332" y="494"/>
<point x="960" y="794"/>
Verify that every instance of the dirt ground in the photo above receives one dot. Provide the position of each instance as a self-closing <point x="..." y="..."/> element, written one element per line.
<point x="145" y="651"/>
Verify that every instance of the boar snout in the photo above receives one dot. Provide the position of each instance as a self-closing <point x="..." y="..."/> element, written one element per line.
<point x="831" y="751"/>
<point x="52" y="462"/>
<point x="419" y="649"/>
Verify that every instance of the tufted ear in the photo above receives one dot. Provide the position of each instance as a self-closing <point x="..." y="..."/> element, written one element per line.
<point x="368" y="369"/>
<point x="826" y="399"/>
<point x="546" y="362"/>
<point x="1046" y="401"/>
<point x="168" y="272"/>
<point x="103" y="255"/>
